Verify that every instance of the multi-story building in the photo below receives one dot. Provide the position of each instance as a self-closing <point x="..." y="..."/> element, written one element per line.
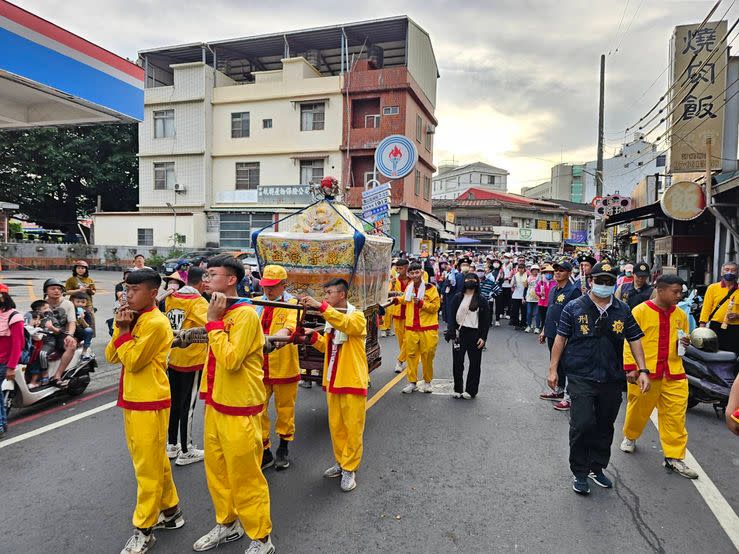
<point x="235" y="131"/>
<point x="453" y="180"/>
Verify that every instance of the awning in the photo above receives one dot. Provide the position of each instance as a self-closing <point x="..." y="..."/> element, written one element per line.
<point x="310" y="156"/>
<point x="463" y="240"/>
<point x="432" y="222"/>
<point x="446" y="235"/>
<point x="637" y="214"/>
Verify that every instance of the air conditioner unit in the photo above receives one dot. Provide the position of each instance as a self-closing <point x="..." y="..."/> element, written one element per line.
<point x="430" y="129"/>
<point x="179" y="188"/>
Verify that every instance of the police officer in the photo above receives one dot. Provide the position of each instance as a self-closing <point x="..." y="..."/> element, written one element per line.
<point x="586" y="262"/>
<point x="559" y="296"/>
<point x="589" y="346"/>
<point x="640" y="290"/>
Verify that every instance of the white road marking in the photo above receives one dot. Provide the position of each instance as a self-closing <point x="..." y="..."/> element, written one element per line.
<point x="723" y="511"/>
<point x="56" y="425"/>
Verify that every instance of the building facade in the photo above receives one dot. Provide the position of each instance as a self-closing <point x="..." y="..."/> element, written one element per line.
<point x="453" y="180"/>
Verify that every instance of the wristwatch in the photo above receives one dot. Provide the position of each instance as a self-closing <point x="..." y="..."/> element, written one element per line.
<point x="644" y="371"/>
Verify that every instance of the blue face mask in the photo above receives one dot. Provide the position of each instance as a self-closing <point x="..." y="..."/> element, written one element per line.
<point x="729" y="276"/>
<point x="603" y="291"/>
<point x="548" y="276"/>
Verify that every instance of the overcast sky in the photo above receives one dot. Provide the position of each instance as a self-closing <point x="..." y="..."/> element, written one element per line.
<point x="519" y="78"/>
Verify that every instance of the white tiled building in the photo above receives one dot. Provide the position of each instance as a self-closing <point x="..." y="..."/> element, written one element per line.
<point x="452" y="180"/>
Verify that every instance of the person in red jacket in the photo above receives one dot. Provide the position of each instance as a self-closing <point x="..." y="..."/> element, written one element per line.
<point x="11" y="344"/>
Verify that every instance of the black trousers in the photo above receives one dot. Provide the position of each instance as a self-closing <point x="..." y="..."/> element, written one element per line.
<point x="593" y="411"/>
<point x="501" y="303"/>
<point x="728" y="339"/>
<point x="518" y="312"/>
<point x="183" y="386"/>
<point x="543" y="316"/>
<point x="467" y="346"/>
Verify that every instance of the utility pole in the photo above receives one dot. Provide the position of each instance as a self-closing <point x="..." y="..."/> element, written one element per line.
<point x="599" y="167"/>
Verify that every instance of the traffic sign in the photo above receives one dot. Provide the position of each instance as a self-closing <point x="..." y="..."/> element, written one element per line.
<point x="382" y="195"/>
<point x="376" y="190"/>
<point x="376" y="211"/>
<point x="375" y="204"/>
<point x="396" y="156"/>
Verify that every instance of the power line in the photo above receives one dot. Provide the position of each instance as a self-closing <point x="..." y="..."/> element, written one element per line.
<point x="626" y="32"/>
<point x="618" y="30"/>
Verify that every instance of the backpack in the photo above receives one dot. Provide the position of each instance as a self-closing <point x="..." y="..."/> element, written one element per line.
<point x="28" y="348"/>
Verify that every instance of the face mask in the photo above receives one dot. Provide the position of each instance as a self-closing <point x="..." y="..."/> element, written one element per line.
<point x="470" y="285"/>
<point x="729" y="276"/>
<point x="603" y="291"/>
<point x="548" y="276"/>
<point x="496" y="266"/>
<point x="628" y="273"/>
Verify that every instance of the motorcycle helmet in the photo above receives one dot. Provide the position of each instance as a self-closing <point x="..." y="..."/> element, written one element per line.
<point x="53" y="283"/>
<point x="704" y="339"/>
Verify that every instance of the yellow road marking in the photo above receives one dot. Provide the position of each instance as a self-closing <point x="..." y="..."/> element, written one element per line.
<point x="29" y="288"/>
<point x="383" y="391"/>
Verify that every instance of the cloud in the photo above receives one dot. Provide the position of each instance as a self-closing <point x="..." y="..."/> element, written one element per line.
<point x="519" y="78"/>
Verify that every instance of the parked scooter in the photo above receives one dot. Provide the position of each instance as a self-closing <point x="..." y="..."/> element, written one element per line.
<point x="710" y="371"/>
<point x="16" y="394"/>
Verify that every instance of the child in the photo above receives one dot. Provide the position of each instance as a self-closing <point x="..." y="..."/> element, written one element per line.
<point x="50" y="327"/>
<point x="84" y="331"/>
<point x="33" y="325"/>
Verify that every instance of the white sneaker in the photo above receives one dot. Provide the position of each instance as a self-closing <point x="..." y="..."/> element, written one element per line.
<point x="175" y="521"/>
<point x="399" y="367"/>
<point x="409" y="388"/>
<point x="536" y="330"/>
<point x="192" y="456"/>
<point x="258" y="547"/>
<point x="333" y="471"/>
<point x="466" y="396"/>
<point x="139" y="543"/>
<point x="679" y="466"/>
<point x="173" y="450"/>
<point x="220" y="534"/>
<point x="497" y="323"/>
<point x="425" y="387"/>
<point x="627" y="445"/>
<point x="456" y="395"/>
<point x="383" y="334"/>
<point x="348" y="482"/>
<point x="305" y="384"/>
<point x="507" y="316"/>
<point x="528" y="329"/>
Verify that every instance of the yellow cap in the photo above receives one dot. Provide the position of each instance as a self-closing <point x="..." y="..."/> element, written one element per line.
<point x="273" y="275"/>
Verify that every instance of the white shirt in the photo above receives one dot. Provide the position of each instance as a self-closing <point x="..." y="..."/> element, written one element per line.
<point x="465" y="317"/>
<point x="519" y="285"/>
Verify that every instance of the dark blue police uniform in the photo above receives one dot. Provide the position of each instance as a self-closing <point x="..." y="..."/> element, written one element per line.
<point x="558" y="299"/>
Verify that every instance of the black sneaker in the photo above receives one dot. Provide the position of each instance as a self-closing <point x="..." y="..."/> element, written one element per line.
<point x="267" y="459"/>
<point x="580" y="485"/>
<point x="175" y="521"/>
<point x="600" y="479"/>
<point x="281" y="461"/>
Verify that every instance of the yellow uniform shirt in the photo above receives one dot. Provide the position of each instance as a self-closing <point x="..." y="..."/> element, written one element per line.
<point x="143" y="354"/>
<point x="233" y="383"/>
<point x="281" y="365"/>
<point x="660" y="328"/>
<point x="424" y="315"/>
<point x="345" y="369"/>
<point x="715" y="294"/>
<point x="187" y="310"/>
<point x="399" y="306"/>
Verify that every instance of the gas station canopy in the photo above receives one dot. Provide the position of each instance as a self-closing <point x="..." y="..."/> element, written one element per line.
<point x="49" y="76"/>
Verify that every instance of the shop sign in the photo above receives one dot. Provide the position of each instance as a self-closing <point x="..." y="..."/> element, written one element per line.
<point x="683" y="201"/>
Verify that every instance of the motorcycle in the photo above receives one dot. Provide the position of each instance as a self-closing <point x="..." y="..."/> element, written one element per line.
<point x="710" y="376"/>
<point x="16" y="393"/>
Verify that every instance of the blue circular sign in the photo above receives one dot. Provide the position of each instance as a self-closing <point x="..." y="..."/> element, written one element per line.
<point x="396" y="156"/>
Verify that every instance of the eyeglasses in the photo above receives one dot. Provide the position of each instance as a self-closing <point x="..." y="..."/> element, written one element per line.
<point x="332" y="291"/>
<point x="209" y="276"/>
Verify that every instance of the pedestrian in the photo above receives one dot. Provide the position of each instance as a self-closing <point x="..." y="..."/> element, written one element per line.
<point x="345" y="377"/>
<point x="141" y="343"/>
<point x="185" y="309"/>
<point x="495" y="274"/>
<point x="234" y="396"/>
<point x="586" y="263"/>
<point x="139" y="262"/>
<point x="399" y="285"/>
<point x="468" y="331"/>
<point x="532" y="301"/>
<point x="80" y="281"/>
<point x="504" y="279"/>
<point x="183" y="266"/>
<point x="519" y="284"/>
<point x="720" y="309"/>
<point x="661" y="323"/>
<point x="589" y="346"/>
<point x="560" y="295"/>
<point x="639" y="290"/>
<point x="12" y="340"/>
<point x="281" y="367"/>
<point x="422" y="305"/>
<point x="543" y="286"/>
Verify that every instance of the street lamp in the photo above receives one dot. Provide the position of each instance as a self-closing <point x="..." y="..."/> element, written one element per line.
<point x="174" y="219"/>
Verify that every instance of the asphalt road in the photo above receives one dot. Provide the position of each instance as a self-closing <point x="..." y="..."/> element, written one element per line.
<point x="438" y="474"/>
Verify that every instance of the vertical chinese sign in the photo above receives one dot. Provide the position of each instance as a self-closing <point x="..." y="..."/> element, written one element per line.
<point x="698" y="82"/>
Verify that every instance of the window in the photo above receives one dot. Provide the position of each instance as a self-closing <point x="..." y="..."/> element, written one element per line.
<point x="311" y="171"/>
<point x="372" y="121"/>
<point x="164" y="124"/>
<point x="163" y="175"/>
<point x="239" y="124"/>
<point x="490" y="179"/>
<point x="418" y="183"/>
<point x="661" y="160"/>
<point x="368" y="176"/>
<point x="419" y="128"/>
<point x="426" y="187"/>
<point x="145" y="237"/>
<point x="390" y="110"/>
<point x="312" y="116"/>
<point x="235" y="229"/>
<point x="428" y="141"/>
<point x="266" y="124"/>
<point x="247" y="175"/>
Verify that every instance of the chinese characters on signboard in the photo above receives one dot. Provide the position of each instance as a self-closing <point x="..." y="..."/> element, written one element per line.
<point x="698" y="81"/>
<point x="299" y="195"/>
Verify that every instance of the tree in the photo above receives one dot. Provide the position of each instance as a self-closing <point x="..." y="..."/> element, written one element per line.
<point x="55" y="174"/>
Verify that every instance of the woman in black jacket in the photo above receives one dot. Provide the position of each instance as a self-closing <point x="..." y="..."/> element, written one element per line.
<point x="468" y="329"/>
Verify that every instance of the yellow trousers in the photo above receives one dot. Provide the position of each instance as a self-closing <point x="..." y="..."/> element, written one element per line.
<point x="400" y="335"/>
<point x="670" y="397"/>
<point x="233" y="460"/>
<point x="387" y="322"/>
<point x="146" y="436"/>
<point x="346" y="414"/>
<point x="285" y="396"/>
<point x="421" y="346"/>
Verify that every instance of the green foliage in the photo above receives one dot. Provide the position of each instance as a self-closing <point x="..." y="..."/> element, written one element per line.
<point x="14" y="228"/>
<point x="155" y="262"/>
<point x="55" y="174"/>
